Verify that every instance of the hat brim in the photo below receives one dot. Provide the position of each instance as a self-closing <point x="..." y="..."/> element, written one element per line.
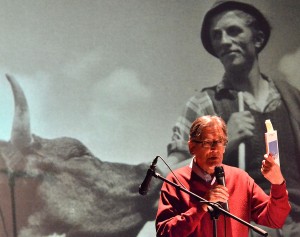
<point x="232" y="5"/>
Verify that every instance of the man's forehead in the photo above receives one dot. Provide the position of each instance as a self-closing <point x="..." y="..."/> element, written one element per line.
<point x="226" y="18"/>
<point x="212" y="131"/>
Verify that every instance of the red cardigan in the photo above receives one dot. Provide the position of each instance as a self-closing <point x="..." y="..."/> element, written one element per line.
<point x="180" y="215"/>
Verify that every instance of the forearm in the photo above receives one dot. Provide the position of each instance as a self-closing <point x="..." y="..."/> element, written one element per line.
<point x="276" y="209"/>
<point x="180" y="225"/>
<point x="279" y="206"/>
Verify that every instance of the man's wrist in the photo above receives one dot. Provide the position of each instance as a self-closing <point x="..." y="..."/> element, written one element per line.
<point x="280" y="183"/>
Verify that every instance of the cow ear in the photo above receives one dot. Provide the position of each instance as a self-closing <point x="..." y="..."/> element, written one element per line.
<point x="259" y="39"/>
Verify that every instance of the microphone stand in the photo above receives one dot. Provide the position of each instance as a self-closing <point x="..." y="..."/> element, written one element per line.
<point x="213" y="208"/>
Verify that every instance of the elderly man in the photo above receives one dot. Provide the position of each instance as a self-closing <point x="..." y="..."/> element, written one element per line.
<point x="182" y="215"/>
<point x="235" y="33"/>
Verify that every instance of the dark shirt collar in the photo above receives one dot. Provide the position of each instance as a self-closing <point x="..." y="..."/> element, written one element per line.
<point x="201" y="173"/>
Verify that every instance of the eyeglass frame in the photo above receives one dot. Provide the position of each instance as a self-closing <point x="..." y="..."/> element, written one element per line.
<point x="212" y="143"/>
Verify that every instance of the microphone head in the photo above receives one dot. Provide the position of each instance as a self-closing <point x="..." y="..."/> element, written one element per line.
<point x="219" y="171"/>
<point x="142" y="190"/>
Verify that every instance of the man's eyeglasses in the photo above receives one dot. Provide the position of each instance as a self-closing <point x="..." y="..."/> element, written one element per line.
<point x="210" y="144"/>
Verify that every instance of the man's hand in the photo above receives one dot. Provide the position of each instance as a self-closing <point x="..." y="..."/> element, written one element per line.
<point x="271" y="170"/>
<point x="218" y="193"/>
<point x="240" y="126"/>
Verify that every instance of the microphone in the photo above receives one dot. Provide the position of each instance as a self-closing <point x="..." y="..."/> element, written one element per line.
<point x="220" y="177"/>
<point x="144" y="187"/>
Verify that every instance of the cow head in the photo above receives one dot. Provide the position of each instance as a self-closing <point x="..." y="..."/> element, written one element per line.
<point x="58" y="187"/>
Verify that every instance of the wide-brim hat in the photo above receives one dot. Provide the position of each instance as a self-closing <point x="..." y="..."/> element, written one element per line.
<point x="223" y="5"/>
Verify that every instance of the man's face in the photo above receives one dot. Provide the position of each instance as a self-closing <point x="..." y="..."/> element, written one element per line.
<point x="208" y="156"/>
<point x="232" y="40"/>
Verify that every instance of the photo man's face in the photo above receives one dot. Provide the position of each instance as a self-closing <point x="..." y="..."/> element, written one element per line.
<point x="232" y="40"/>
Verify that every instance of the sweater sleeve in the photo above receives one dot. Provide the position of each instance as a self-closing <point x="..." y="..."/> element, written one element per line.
<point x="272" y="211"/>
<point x="171" y="222"/>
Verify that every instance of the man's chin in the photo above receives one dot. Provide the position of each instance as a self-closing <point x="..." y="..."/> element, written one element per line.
<point x="232" y="61"/>
<point x="213" y="164"/>
<point x="235" y="66"/>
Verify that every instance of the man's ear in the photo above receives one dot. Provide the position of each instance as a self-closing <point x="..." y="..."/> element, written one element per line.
<point x="191" y="147"/>
<point x="259" y="39"/>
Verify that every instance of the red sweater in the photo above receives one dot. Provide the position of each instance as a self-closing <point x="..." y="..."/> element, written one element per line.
<point x="180" y="215"/>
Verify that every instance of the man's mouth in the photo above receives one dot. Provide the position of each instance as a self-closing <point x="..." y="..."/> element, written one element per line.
<point x="213" y="158"/>
<point x="229" y="52"/>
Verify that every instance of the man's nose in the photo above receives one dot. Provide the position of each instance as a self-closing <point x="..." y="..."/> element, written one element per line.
<point x="225" y="38"/>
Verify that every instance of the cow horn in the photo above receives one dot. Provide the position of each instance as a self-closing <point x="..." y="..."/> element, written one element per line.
<point x="20" y="134"/>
